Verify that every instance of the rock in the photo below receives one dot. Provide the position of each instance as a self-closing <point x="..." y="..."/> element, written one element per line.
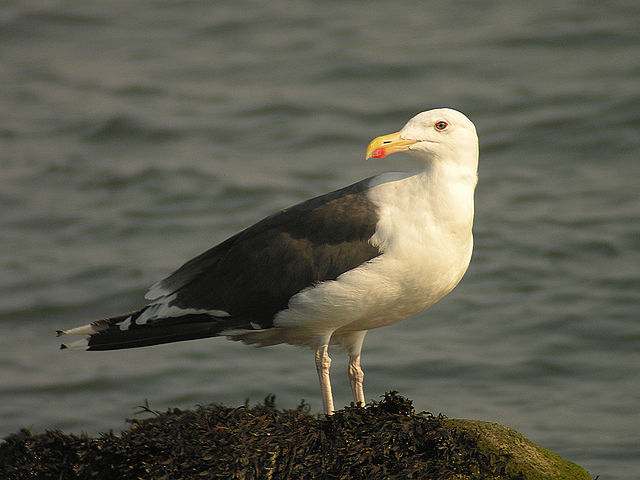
<point x="521" y="457"/>
<point x="384" y="440"/>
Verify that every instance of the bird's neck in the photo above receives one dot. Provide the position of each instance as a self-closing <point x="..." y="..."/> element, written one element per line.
<point x="438" y="173"/>
<point x="449" y="191"/>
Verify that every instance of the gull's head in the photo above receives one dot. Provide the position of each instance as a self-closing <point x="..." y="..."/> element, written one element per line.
<point x="441" y="134"/>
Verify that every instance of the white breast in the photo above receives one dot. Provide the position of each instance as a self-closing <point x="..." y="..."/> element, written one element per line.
<point x="424" y="232"/>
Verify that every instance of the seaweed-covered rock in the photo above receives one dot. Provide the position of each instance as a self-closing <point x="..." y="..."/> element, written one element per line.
<point x="385" y="440"/>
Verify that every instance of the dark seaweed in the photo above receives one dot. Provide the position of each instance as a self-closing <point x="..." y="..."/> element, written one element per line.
<point x="384" y="440"/>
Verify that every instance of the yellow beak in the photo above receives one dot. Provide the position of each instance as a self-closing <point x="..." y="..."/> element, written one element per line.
<point x="385" y="145"/>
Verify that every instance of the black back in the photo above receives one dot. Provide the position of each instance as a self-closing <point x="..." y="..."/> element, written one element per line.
<point x="253" y="274"/>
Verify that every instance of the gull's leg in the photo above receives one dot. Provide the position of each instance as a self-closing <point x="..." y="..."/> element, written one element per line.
<point x="356" y="376"/>
<point x="353" y="343"/>
<point x="323" y="363"/>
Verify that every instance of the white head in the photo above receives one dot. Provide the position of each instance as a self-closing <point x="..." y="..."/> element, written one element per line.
<point x="439" y="135"/>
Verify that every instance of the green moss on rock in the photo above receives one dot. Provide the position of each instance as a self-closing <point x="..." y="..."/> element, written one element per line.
<point x="521" y="457"/>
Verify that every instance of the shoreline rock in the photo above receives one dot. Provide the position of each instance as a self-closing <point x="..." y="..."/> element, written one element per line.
<point x="384" y="440"/>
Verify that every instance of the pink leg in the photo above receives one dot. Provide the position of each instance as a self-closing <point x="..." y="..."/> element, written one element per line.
<point x="323" y="363"/>
<point x="356" y="376"/>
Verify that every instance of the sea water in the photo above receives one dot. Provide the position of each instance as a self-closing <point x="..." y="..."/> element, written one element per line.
<point x="135" y="135"/>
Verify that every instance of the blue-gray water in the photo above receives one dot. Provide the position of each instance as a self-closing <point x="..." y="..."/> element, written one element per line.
<point x="134" y="135"/>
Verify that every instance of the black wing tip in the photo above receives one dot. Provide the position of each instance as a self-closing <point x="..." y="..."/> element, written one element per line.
<point x="63" y="347"/>
<point x="59" y="333"/>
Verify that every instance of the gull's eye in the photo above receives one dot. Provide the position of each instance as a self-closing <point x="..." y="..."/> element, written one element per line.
<point x="441" y="125"/>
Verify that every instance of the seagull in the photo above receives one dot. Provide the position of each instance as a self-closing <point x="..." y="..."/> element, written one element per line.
<point x="327" y="270"/>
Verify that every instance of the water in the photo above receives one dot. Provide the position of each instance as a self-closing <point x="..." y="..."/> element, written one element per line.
<point x="134" y="135"/>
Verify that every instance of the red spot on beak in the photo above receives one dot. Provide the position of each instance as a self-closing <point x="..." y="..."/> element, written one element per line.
<point x="379" y="153"/>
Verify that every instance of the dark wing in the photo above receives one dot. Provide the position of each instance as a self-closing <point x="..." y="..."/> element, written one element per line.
<point x="253" y="274"/>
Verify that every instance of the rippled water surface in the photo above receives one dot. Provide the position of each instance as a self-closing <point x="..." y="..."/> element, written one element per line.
<point x="134" y="135"/>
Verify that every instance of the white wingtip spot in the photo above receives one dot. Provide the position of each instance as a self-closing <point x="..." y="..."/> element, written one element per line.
<point x="125" y="325"/>
<point x="77" y="345"/>
<point x="82" y="330"/>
